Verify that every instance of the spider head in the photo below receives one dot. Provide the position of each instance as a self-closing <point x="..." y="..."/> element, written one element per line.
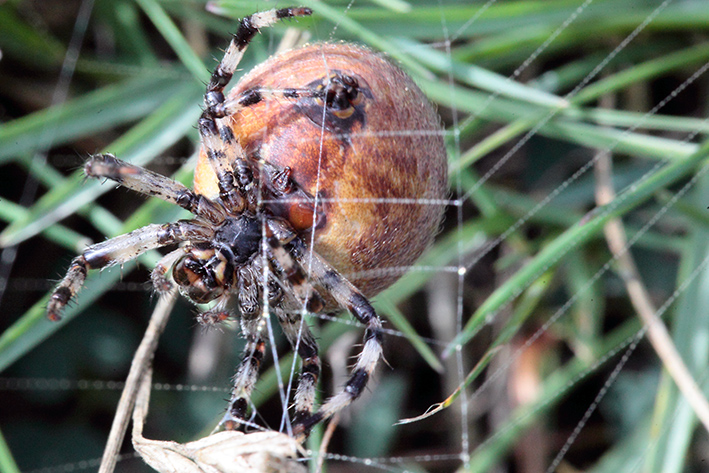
<point x="201" y="273"/>
<point x="207" y="269"/>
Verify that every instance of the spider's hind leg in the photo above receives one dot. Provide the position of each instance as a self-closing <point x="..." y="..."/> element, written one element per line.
<point x="349" y="297"/>
<point x="302" y="341"/>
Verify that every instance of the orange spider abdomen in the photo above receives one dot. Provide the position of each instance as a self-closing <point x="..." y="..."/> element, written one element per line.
<point x="379" y="168"/>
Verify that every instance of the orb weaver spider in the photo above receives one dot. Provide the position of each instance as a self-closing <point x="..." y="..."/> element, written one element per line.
<point x="281" y="161"/>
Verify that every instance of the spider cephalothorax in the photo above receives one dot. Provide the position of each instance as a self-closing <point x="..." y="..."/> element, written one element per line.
<point x="324" y="160"/>
<point x="208" y="269"/>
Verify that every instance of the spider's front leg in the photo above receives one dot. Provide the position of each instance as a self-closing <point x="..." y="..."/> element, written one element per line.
<point x="119" y="250"/>
<point x="150" y="183"/>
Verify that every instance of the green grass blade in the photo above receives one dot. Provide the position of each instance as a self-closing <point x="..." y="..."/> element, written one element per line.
<point x="92" y="113"/>
<point x="175" y="38"/>
<point x="162" y="128"/>
<point x="690" y="328"/>
<point x="7" y="463"/>
<point x="553" y="253"/>
<point x="398" y="319"/>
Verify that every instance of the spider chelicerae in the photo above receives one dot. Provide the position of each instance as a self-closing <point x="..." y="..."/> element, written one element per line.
<point x="219" y="250"/>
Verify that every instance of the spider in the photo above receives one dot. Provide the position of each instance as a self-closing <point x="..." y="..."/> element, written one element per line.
<point x="259" y="208"/>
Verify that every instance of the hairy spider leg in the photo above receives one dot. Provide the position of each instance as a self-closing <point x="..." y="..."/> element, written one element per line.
<point x="304" y="343"/>
<point x="246" y="374"/>
<point x="248" y="27"/>
<point x="150" y="183"/>
<point x="299" y="335"/>
<point x="119" y="250"/>
<point x="295" y="329"/>
<point x="294" y="274"/>
<point x="222" y="150"/>
<point x="256" y="95"/>
<point x="252" y="324"/>
<point x="253" y="319"/>
<point x="347" y="295"/>
<point x="224" y="153"/>
<point x="153" y="184"/>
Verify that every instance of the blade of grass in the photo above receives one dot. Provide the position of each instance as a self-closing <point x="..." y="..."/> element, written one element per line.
<point x="648" y="70"/>
<point x="574" y="237"/>
<point x="22" y="40"/>
<point x="33" y="327"/>
<point x="503" y="110"/>
<point x="142" y="143"/>
<point x="63" y="236"/>
<point x="594" y="137"/>
<point x="126" y="24"/>
<point x="89" y="114"/>
<point x="555" y="387"/>
<point x="662" y="123"/>
<point x="398" y="319"/>
<point x="7" y="463"/>
<point x="523" y="33"/>
<point x="690" y="328"/>
<point x="176" y="40"/>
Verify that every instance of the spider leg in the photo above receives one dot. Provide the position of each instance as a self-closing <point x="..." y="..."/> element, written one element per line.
<point x="161" y="282"/>
<point x="151" y="183"/>
<point x="297" y="332"/>
<point x="252" y="326"/>
<point x="219" y="142"/>
<point x="290" y="268"/>
<point x="222" y="150"/>
<point x="248" y="28"/>
<point x="256" y="95"/>
<point x="246" y="375"/>
<point x="294" y="257"/>
<point x="347" y="296"/>
<point x="302" y="341"/>
<point x="119" y="250"/>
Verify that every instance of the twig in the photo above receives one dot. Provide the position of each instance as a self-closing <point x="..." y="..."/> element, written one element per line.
<point x="657" y="332"/>
<point x="331" y="426"/>
<point x="141" y="361"/>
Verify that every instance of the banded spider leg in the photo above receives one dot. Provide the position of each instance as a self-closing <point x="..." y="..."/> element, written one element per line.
<point x="126" y="247"/>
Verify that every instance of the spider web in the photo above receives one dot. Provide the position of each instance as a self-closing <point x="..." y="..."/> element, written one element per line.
<point x="526" y="352"/>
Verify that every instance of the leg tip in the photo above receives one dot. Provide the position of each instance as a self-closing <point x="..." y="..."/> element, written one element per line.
<point x="293" y="12"/>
